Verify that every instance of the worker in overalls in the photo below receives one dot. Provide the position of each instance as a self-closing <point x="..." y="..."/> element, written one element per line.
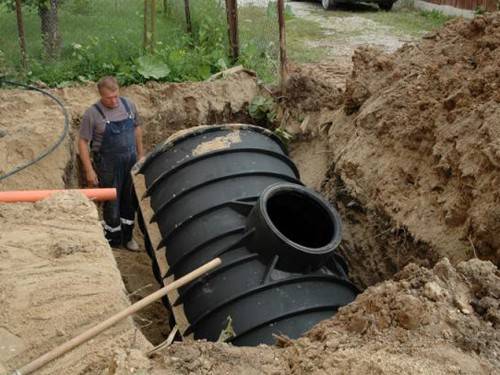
<point x="110" y="129"/>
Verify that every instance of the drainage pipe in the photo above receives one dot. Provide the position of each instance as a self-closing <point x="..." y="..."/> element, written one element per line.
<point x="103" y="194"/>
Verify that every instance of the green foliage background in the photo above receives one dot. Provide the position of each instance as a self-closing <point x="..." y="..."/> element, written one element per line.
<point x="103" y="37"/>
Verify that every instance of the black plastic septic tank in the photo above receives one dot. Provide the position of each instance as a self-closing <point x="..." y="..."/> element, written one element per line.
<point x="231" y="191"/>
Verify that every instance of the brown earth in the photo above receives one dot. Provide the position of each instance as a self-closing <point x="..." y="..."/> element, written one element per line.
<point x="29" y="123"/>
<point x="439" y="321"/>
<point x="415" y="150"/>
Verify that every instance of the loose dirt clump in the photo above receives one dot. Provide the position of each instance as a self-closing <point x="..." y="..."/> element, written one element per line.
<point x="311" y="87"/>
<point x="423" y="322"/>
<point x="443" y="320"/>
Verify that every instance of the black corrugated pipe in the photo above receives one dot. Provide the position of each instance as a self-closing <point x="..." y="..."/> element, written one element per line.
<point x="231" y="191"/>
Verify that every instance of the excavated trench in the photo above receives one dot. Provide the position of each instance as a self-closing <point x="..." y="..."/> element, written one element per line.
<point x="404" y="191"/>
<point x="218" y="103"/>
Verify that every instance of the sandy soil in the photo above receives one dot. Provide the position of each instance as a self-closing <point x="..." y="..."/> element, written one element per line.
<point x="311" y="158"/>
<point x="29" y="123"/>
<point x="57" y="278"/>
<point x="136" y="272"/>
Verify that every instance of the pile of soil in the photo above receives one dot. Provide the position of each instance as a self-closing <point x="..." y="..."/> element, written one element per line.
<point x="440" y="321"/>
<point x="415" y="152"/>
<point x="58" y="278"/>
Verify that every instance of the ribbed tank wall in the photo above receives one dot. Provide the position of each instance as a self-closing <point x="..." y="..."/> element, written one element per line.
<point x="231" y="191"/>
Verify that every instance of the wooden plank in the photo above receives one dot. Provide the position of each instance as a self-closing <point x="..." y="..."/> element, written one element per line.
<point x="489" y="5"/>
<point x="155" y="237"/>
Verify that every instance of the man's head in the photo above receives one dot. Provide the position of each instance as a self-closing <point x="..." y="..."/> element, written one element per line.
<point x="109" y="90"/>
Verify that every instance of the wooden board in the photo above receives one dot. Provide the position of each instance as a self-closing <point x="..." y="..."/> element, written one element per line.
<point x="489" y="5"/>
<point x="155" y="237"/>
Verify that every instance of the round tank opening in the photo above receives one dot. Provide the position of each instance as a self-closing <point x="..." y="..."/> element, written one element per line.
<point x="301" y="218"/>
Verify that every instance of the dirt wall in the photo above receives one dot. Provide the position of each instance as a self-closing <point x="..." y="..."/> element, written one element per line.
<point x="414" y="150"/>
<point x="420" y="140"/>
<point x="32" y="121"/>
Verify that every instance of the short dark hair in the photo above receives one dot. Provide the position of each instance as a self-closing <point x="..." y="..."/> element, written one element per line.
<point x="108" y="82"/>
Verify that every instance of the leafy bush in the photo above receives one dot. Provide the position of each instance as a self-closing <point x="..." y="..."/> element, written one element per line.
<point x="152" y="67"/>
<point x="262" y="109"/>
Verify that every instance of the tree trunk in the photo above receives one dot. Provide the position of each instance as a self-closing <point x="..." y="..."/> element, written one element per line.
<point x="49" y="27"/>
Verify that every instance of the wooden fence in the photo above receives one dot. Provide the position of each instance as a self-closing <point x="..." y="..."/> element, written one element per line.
<point x="489" y="5"/>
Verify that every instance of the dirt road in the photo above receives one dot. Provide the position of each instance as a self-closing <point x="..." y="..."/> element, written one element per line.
<point x="314" y="34"/>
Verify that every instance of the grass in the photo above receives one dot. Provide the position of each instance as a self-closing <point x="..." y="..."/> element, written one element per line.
<point x="409" y="21"/>
<point x="259" y="29"/>
<point x="404" y="21"/>
<point x="103" y="37"/>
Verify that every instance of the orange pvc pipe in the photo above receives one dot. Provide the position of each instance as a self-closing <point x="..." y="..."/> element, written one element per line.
<point x="104" y="194"/>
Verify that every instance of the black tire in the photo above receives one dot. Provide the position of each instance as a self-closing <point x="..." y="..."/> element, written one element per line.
<point x="327" y="4"/>
<point x="385" y="5"/>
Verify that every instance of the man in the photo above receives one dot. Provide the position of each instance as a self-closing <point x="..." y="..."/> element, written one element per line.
<point x="111" y="130"/>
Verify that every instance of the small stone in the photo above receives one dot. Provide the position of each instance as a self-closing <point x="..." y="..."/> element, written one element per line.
<point x="433" y="291"/>
<point x="60" y="332"/>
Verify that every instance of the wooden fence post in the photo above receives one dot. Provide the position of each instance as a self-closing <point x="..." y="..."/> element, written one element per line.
<point x="146" y="38"/>
<point x="187" y="11"/>
<point x="20" y="32"/>
<point x="153" y="26"/>
<point x="232" y="22"/>
<point x="283" y="57"/>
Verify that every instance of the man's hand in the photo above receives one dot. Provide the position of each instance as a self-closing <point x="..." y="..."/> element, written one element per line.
<point x="92" y="179"/>
<point x="90" y="175"/>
